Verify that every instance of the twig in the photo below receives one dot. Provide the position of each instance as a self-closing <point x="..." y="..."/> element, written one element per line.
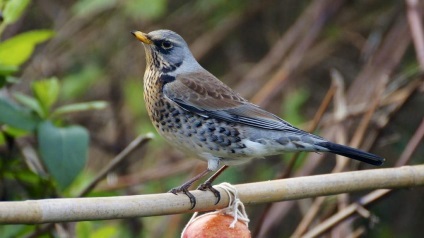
<point x="412" y="145"/>
<point x="206" y="42"/>
<point x="137" y="142"/>
<point x="375" y="195"/>
<point x="357" y="233"/>
<point x="416" y="28"/>
<point x="361" y="130"/>
<point x="340" y="102"/>
<point x="340" y="113"/>
<point x="312" y="127"/>
<point x="379" y="67"/>
<point x="355" y="142"/>
<point x="140" y="177"/>
<point x="319" y="16"/>
<point x="309" y="217"/>
<point x="345" y="213"/>
<point x="82" y="209"/>
<point x="280" y="49"/>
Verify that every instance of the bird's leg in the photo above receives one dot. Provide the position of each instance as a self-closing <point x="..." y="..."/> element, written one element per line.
<point x="208" y="184"/>
<point x="184" y="188"/>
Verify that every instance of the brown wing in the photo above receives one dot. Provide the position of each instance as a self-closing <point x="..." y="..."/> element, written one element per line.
<point x="205" y="95"/>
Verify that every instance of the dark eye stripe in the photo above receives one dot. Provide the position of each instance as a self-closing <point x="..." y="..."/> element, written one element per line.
<point x="158" y="46"/>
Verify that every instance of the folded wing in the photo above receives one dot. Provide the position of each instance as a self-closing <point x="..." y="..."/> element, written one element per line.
<point x="206" y="96"/>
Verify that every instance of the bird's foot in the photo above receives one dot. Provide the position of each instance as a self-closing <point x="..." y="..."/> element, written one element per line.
<point x="208" y="186"/>
<point x="184" y="189"/>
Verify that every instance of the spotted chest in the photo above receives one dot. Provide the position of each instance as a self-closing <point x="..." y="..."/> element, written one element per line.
<point x="189" y="131"/>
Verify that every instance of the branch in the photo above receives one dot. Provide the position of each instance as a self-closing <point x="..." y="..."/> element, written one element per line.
<point x="416" y="27"/>
<point x="345" y="213"/>
<point x="100" y="208"/>
<point x="136" y="143"/>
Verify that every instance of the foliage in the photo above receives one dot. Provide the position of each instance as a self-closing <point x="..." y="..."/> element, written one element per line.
<point x="53" y="83"/>
<point x="62" y="147"/>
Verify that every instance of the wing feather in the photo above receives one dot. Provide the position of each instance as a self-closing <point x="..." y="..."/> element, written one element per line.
<point x="205" y="95"/>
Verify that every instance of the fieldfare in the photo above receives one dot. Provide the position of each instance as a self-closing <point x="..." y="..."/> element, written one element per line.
<point x="196" y="112"/>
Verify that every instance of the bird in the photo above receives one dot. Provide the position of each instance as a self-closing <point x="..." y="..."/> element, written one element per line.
<point x="197" y="113"/>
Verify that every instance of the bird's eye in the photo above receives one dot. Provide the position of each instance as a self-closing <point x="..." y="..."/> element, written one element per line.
<point x="166" y="45"/>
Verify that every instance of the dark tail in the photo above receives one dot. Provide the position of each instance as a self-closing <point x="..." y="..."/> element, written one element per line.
<point x="352" y="153"/>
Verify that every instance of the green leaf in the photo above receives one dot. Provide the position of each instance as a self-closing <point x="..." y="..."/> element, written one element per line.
<point x="16" y="50"/>
<point x="47" y="92"/>
<point x="13" y="10"/>
<point x="14" y="132"/>
<point x="16" y="116"/>
<point x="63" y="151"/>
<point x="8" y="69"/>
<point x="2" y="138"/>
<point x="78" y="107"/>
<point x="30" y="103"/>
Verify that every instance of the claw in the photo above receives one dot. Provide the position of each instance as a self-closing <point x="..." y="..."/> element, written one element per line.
<point x="174" y="191"/>
<point x="184" y="190"/>
<point x="191" y="197"/>
<point x="208" y="186"/>
<point x="202" y="187"/>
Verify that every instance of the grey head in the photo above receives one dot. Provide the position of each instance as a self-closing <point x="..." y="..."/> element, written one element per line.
<point x="167" y="52"/>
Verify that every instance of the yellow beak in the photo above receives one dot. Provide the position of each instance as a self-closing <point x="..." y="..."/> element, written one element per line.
<point x="142" y="37"/>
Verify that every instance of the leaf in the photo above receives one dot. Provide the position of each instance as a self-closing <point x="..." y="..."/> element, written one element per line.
<point x="13" y="10"/>
<point x="16" y="50"/>
<point x="2" y="138"/>
<point x="63" y="151"/>
<point x="8" y="69"/>
<point x="47" y="92"/>
<point x="78" y="107"/>
<point x="30" y="103"/>
<point x="16" y="116"/>
<point x="14" y="132"/>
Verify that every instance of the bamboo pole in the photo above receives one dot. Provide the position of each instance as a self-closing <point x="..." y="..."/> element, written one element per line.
<point x="102" y="208"/>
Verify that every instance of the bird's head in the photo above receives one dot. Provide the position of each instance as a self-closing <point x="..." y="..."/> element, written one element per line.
<point x="167" y="52"/>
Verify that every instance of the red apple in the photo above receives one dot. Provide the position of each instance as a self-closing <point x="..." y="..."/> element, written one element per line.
<point x="216" y="226"/>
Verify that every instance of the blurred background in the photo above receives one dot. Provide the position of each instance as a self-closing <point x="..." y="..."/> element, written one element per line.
<point x="346" y="70"/>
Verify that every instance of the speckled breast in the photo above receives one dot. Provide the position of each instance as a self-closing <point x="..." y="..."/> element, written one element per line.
<point x="189" y="131"/>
